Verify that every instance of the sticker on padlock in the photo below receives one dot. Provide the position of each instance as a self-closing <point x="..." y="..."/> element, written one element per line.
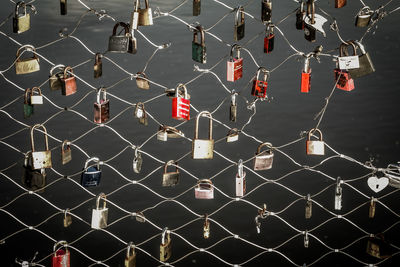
<point x="366" y="65"/>
<point x="181" y="105"/>
<point x="266" y="10"/>
<point x="100" y="214"/>
<point x="349" y="62"/>
<point x="141" y="114"/>
<point x="306" y="76"/>
<point x="259" y="88"/>
<point x="145" y="14"/>
<point x="315" y="147"/>
<point x="28" y="107"/>
<point x="26" y="65"/>
<point x="233" y="135"/>
<point x="165" y="246"/>
<point x="67" y="221"/>
<point x="55" y="78"/>
<point x="240" y="180"/>
<point x="66" y="155"/>
<point x="364" y="16"/>
<point x="40" y="159"/>
<point x="68" y="82"/>
<point x="130" y="258"/>
<point x="203" y="148"/>
<point x="98" y="66"/>
<point x="239" y="24"/>
<point x="63" y="7"/>
<point x="101" y="107"/>
<point x="263" y="160"/>
<point x="61" y="255"/>
<point x="206" y="227"/>
<point x="269" y="38"/>
<point x="119" y="43"/>
<point x="204" y="189"/>
<point x="308" y="212"/>
<point x="36" y="96"/>
<point x="170" y="178"/>
<point x="199" y="52"/>
<point x="137" y="161"/>
<point x="234" y="67"/>
<point x="34" y="180"/>
<point x="196" y="7"/>
<point x="91" y="175"/>
<point x="142" y="81"/>
<point x="233" y="107"/>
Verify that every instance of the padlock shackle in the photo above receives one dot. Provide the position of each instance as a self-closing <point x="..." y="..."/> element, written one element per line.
<point x="65" y="143"/>
<point x="95" y="159"/>
<point x="266" y="144"/>
<point x="141" y="75"/>
<point x="36" y="89"/>
<point x="196" y="130"/>
<point x="46" y="141"/>
<point x="131" y="247"/>
<point x="265" y="71"/>
<point x="61" y="243"/>
<point x="182" y="87"/>
<point x="233" y="98"/>
<point x="18" y="5"/>
<point x="26" y="158"/>
<point x="27" y="47"/>
<point x="163" y="234"/>
<point x="68" y="71"/>
<point x="136" y="152"/>
<point x="27" y="91"/>
<point x="360" y="45"/>
<point x="122" y="24"/>
<point x="97" y="58"/>
<point x="307" y="64"/>
<point x="269" y="29"/>
<point x="365" y="10"/>
<point x="239" y="12"/>
<point x="171" y="162"/>
<point x="240" y="168"/>
<point x="198" y="29"/>
<point x="59" y="66"/>
<point x="308" y="197"/>
<point x="311" y="10"/>
<point x="66" y="211"/>
<point x="233" y="48"/>
<point x="101" y="196"/>
<point x="104" y="95"/>
<point x="343" y="49"/>
<point x="204" y="183"/>
<point x="313" y="131"/>
<point x="233" y="131"/>
<point x="146" y="3"/>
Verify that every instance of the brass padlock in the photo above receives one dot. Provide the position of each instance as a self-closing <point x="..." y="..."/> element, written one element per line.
<point x="206" y="227"/>
<point x="364" y="17"/>
<point x="203" y="148"/>
<point x="142" y="82"/>
<point x="199" y="51"/>
<point x="372" y="208"/>
<point x="130" y="259"/>
<point x="137" y="161"/>
<point x="26" y="65"/>
<point x="119" y="43"/>
<point x="314" y="147"/>
<point x="36" y="99"/>
<point x="55" y="78"/>
<point x="196" y="7"/>
<point x="263" y="160"/>
<point x="233" y="135"/>
<point x="141" y="114"/>
<point x="308" y="212"/>
<point x="365" y="62"/>
<point x="145" y="14"/>
<point x="233" y="107"/>
<point x="63" y="7"/>
<point x="100" y="215"/>
<point x="238" y="33"/>
<point x="22" y="21"/>
<point x="340" y="3"/>
<point x="68" y="82"/>
<point x="266" y="10"/>
<point x="170" y="178"/>
<point x="28" y="107"/>
<point x="67" y="221"/>
<point x="98" y="66"/>
<point x="34" y="180"/>
<point x="165" y="246"/>
<point x="40" y="159"/>
<point x="66" y="155"/>
<point x="101" y="107"/>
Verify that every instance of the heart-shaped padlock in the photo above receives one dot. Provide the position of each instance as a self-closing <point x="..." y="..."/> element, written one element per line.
<point x="377" y="184"/>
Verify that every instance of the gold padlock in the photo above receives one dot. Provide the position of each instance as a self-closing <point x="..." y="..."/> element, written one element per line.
<point x="315" y="147"/>
<point x="26" y="65"/>
<point x="203" y="148"/>
<point x="22" y="21"/>
<point x="55" y="78"/>
<point x="170" y="178"/>
<point x="98" y="66"/>
<point x="263" y="160"/>
<point x="142" y="82"/>
<point x="130" y="259"/>
<point x="165" y="246"/>
<point x="372" y="207"/>
<point x="40" y="159"/>
<point x="67" y="218"/>
<point x="145" y="14"/>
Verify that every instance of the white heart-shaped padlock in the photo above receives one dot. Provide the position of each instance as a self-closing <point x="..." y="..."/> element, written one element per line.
<point x="377" y="184"/>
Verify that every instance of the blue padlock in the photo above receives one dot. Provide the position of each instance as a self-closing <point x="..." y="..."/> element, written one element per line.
<point x="91" y="175"/>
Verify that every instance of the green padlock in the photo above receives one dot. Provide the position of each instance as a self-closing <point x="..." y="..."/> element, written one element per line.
<point x="198" y="46"/>
<point x="28" y="108"/>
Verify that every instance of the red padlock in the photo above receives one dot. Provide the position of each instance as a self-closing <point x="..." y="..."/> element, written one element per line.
<point x="61" y="257"/>
<point x="68" y="82"/>
<point x="259" y="88"/>
<point x="181" y="105"/>
<point x="269" y="38"/>
<point x="306" y="76"/>
<point x="234" y="67"/>
<point x="345" y="82"/>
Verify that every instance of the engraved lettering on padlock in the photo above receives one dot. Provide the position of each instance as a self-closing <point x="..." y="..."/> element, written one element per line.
<point x="238" y="33"/>
<point x="315" y="147"/>
<point x="66" y="155"/>
<point x="98" y="66"/>
<point x="36" y="96"/>
<point x="134" y="17"/>
<point x="119" y="43"/>
<point x="372" y="207"/>
<point x="170" y="178"/>
<point x="234" y="67"/>
<point x="181" y="105"/>
<point x="67" y="221"/>
<point x="199" y="53"/>
<point x="206" y="227"/>
<point x="340" y="3"/>
<point x="338" y="195"/>
<point x="145" y="14"/>
<point x="100" y="214"/>
<point x="101" y="107"/>
<point x="26" y="65"/>
<point x="233" y="107"/>
<point x="40" y="159"/>
<point x="22" y="21"/>
<point x="233" y="135"/>
<point x="263" y="160"/>
<point x="61" y="255"/>
<point x="55" y="78"/>
<point x="142" y="82"/>
<point x="306" y="76"/>
<point x="34" y="180"/>
<point x="266" y="10"/>
<point x="269" y="38"/>
<point x="91" y="175"/>
<point x="363" y="17"/>
<point x="28" y="107"/>
<point x="130" y="259"/>
<point x="68" y="82"/>
<point x="308" y="212"/>
<point x="366" y="65"/>
<point x="204" y="189"/>
<point x="240" y="180"/>
<point x="203" y="148"/>
<point x="300" y="16"/>
<point x="137" y="161"/>
<point x="259" y="88"/>
<point x="141" y="114"/>
<point x="196" y="7"/>
<point x="165" y="246"/>
<point x="63" y="7"/>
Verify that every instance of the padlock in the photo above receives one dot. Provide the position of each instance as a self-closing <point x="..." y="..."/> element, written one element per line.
<point x="165" y="246"/>
<point x="141" y="81"/>
<point x="119" y="43"/>
<point x="269" y="38"/>
<point x="165" y="132"/>
<point x="199" y="53"/>
<point x="67" y="221"/>
<point x="240" y="180"/>
<point x="36" y="99"/>
<point x="181" y="105"/>
<point x="259" y="88"/>
<point x="344" y="80"/>
<point x="134" y="16"/>
<point x="91" y="175"/>
<point x="338" y="195"/>
<point x="34" y="180"/>
<point x="309" y="31"/>
<point x="22" y="21"/>
<point x="364" y="17"/>
<point x="340" y="3"/>
<point x="373" y="248"/>
<point x="63" y="7"/>
<point x="66" y="155"/>
<point x="306" y="239"/>
<point x="145" y="14"/>
<point x="55" y="78"/>
<point x="141" y="114"/>
<point x="306" y="76"/>
<point x="26" y="65"/>
<point x="162" y="133"/>
<point x="68" y="82"/>
<point x="140" y="217"/>
<point x="98" y="66"/>
<point x="40" y="159"/>
<point x="28" y="107"/>
<point x="314" y="147"/>
<point x="238" y="32"/>
<point x="366" y="65"/>
<point x="101" y="107"/>
<point x="137" y="161"/>
<point x="100" y="215"/>
<point x="372" y="207"/>
<point x="378" y="247"/>
<point x="204" y="189"/>
<point x="308" y="212"/>
<point x="170" y="178"/>
<point x="233" y="135"/>
<point x="300" y="16"/>
<point x="203" y="148"/>
<point x="206" y="228"/>
<point x="130" y="259"/>
<point x="233" y="107"/>
<point x="263" y="160"/>
<point x="234" y="67"/>
<point x="132" y="48"/>
<point x="61" y="256"/>
<point x="196" y="7"/>
<point x="266" y="10"/>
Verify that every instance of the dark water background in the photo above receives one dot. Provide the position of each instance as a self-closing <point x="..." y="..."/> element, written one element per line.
<point x="361" y="124"/>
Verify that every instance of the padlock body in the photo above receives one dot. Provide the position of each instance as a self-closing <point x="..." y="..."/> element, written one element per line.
<point x="55" y="82"/>
<point x="33" y="180"/>
<point x="162" y="136"/>
<point x="269" y="43"/>
<point x="137" y="163"/>
<point x="41" y="159"/>
<point x="67" y="221"/>
<point x="266" y="11"/>
<point x="345" y="82"/>
<point x="66" y="155"/>
<point x="240" y="185"/>
<point x="371" y="213"/>
<point x="132" y="45"/>
<point x="68" y="86"/>
<point x="61" y="258"/>
<point x="118" y="44"/>
<point x="202" y="149"/>
<point x="165" y="251"/>
<point x="232" y="137"/>
<point x="142" y="83"/>
<point x="28" y="110"/>
<point x="63" y="7"/>
<point x="309" y="33"/>
<point x="170" y="179"/>
<point x="196" y="7"/>
<point x="308" y="212"/>
<point x="363" y="20"/>
<point x="134" y="20"/>
<point x="91" y="177"/>
<point x="180" y="108"/>
<point x="340" y="3"/>
<point x="305" y="82"/>
<point x="234" y="69"/>
<point x="259" y="88"/>
<point x="263" y="161"/>
<point x="22" y="23"/>
<point x="26" y="65"/>
<point x="99" y="218"/>
<point x="36" y="99"/>
<point x="130" y="261"/>
<point x="102" y="111"/>
<point x="145" y="17"/>
<point x="97" y="70"/>
<point x="338" y="201"/>
<point x="315" y="147"/>
<point x="239" y="32"/>
<point x="198" y="53"/>
<point x="366" y="67"/>
<point x="233" y="112"/>
<point x="204" y="193"/>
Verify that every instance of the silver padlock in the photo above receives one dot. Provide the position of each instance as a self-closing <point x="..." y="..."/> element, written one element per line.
<point x="338" y="195"/>
<point x="264" y="159"/>
<point x="203" y="148"/>
<point x="206" y="228"/>
<point x="170" y="178"/>
<point x="233" y="107"/>
<point x="134" y="16"/>
<point x="137" y="161"/>
<point x="314" y="147"/>
<point x="308" y="212"/>
<point x="233" y="135"/>
<point x="36" y="99"/>
<point x="100" y="215"/>
<point x="306" y="239"/>
<point x="162" y="133"/>
<point x="204" y="189"/>
<point x="364" y="17"/>
<point x="40" y="159"/>
<point x="140" y="113"/>
<point x="240" y="180"/>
